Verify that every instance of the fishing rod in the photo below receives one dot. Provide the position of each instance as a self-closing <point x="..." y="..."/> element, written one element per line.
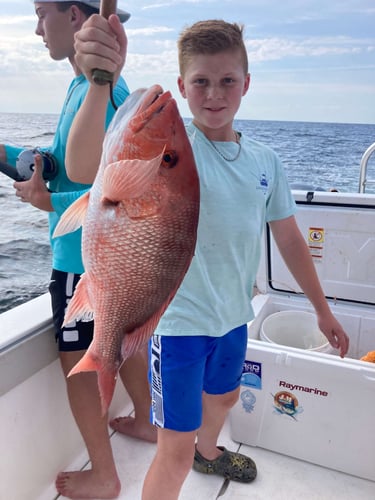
<point x="10" y="171"/>
<point x="100" y="76"/>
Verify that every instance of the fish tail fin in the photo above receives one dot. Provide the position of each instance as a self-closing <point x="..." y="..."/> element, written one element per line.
<point x="106" y="377"/>
<point x="88" y="363"/>
<point x="106" y="382"/>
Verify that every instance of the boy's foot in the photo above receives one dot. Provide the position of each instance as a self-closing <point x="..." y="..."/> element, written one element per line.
<point x="129" y="426"/>
<point x="86" y="484"/>
<point x="231" y="465"/>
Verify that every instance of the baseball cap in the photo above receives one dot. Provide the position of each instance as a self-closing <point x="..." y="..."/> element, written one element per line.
<point x="95" y="4"/>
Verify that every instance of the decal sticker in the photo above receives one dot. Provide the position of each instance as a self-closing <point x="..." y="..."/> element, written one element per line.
<point x="316" y="242"/>
<point x="286" y="403"/>
<point x="248" y="400"/>
<point x="252" y="374"/>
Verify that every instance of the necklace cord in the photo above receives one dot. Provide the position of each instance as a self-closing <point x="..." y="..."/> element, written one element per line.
<point x="237" y="140"/>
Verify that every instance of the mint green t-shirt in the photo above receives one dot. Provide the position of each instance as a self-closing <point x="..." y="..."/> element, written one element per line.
<point x="237" y="199"/>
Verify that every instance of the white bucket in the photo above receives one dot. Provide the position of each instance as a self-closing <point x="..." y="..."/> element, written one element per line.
<point x="294" y="329"/>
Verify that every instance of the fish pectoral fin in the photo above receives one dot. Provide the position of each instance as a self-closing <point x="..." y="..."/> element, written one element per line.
<point x="79" y="307"/>
<point x="126" y="179"/>
<point x="73" y="216"/>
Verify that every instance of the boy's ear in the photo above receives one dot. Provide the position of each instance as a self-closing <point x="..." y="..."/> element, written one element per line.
<point x="181" y="86"/>
<point x="246" y="84"/>
<point x="76" y="15"/>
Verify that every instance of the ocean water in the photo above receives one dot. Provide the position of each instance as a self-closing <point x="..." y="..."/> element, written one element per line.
<point x="321" y="155"/>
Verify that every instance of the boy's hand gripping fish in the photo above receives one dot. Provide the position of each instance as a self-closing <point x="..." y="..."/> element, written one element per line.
<point x="139" y="223"/>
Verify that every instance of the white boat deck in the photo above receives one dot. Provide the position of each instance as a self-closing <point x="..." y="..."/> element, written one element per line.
<point x="279" y="477"/>
<point x="39" y="437"/>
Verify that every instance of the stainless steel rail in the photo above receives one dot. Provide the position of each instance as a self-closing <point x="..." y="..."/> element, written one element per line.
<point x="363" y="181"/>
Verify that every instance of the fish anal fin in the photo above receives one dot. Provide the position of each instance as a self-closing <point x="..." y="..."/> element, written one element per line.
<point x="79" y="307"/>
<point x="135" y="339"/>
<point x="73" y="217"/>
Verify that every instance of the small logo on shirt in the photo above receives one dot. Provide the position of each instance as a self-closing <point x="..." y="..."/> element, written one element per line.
<point x="263" y="183"/>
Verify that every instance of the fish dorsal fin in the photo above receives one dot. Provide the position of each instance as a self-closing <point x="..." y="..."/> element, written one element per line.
<point x="73" y="216"/>
<point x="126" y="179"/>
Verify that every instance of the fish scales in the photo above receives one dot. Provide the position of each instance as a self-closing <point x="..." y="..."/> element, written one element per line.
<point x="139" y="231"/>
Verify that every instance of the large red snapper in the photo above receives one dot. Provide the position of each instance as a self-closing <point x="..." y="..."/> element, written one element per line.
<point x="139" y="223"/>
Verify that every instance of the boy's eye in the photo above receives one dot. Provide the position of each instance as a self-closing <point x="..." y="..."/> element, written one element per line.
<point x="200" y="81"/>
<point x="228" y="81"/>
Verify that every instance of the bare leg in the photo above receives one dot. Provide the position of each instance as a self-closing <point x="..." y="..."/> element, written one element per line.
<point x="215" y="410"/>
<point x="171" y="465"/>
<point x="101" y="481"/>
<point x="134" y="377"/>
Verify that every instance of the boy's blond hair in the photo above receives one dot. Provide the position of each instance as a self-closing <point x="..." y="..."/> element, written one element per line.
<point x="210" y="37"/>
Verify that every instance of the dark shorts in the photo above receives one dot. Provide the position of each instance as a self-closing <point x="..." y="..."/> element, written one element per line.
<point x="77" y="335"/>
<point x="182" y="367"/>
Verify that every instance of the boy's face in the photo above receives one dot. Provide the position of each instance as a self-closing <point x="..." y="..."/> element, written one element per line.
<point x="57" y="29"/>
<point x="214" y="85"/>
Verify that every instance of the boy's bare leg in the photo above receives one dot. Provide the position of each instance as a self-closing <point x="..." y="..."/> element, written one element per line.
<point x="171" y="464"/>
<point x="134" y="377"/>
<point x="215" y="411"/>
<point x="101" y="481"/>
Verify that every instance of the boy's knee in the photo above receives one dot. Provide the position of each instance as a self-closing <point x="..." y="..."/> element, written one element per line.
<point x="230" y="398"/>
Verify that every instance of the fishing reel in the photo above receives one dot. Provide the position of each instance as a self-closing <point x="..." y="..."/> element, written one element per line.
<point x="25" y="164"/>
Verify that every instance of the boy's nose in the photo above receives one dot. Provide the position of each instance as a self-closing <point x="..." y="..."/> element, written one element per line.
<point x="215" y="92"/>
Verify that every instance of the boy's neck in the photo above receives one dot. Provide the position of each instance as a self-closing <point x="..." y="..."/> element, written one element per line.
<point x="227" y="134"/>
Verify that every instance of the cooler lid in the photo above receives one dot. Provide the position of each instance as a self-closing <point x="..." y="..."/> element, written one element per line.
<point x="340" y="231"/>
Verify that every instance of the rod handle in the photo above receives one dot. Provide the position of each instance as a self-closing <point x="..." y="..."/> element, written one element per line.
<point x="100" y="76"/>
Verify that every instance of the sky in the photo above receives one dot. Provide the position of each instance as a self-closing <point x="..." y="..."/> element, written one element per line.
<point x="310" y="60"/>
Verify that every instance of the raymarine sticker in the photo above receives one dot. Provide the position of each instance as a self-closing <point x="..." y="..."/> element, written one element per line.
<point x="286" y="403"/>
<point x="252" y="374"/>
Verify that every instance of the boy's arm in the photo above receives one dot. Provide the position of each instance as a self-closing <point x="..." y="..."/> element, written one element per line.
<point x="86" y="135"/>
<point x="3" y="155"/>
<point x="9" y="154"/>
<point x="296" y="255"/>
<point x="99" y="44"/>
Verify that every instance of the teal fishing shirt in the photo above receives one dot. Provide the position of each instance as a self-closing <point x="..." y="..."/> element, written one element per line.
<point x="66" y="250"/>
<point x="237" y="198"/>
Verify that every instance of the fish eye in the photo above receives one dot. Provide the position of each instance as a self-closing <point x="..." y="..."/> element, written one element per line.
<point x="170" y="159"/>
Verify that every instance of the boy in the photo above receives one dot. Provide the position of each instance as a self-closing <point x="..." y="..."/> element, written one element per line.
<point x="198" y="349"/>
<point x="57" y="23"/>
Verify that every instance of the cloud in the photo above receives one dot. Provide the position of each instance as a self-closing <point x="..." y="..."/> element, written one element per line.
<point x="270" y="49"/>
<point x="16" y="20"/>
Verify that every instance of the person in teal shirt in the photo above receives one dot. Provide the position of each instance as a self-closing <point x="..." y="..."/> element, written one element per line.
<point x="57" y="24"/>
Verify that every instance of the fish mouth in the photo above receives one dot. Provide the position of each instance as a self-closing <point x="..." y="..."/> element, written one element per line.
<point x="154" y="100"/>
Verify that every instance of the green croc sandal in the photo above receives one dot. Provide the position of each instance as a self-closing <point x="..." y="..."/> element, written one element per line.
<point x="231" y="465"/>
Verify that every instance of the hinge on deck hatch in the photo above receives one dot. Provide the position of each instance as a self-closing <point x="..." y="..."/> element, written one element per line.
<point x="309" y="196"/>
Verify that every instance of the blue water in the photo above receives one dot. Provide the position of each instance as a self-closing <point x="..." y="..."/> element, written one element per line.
<point x="322" y="155"/>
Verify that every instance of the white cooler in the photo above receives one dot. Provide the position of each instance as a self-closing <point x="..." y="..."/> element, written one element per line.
<point x="307" y="404"/>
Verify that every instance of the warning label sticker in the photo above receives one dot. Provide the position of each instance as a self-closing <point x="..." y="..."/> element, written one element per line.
<point x="316" y="242"/>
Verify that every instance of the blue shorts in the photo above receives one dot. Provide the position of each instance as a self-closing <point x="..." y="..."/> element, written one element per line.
<point x="77" y="335"/>
<point x="181" y="368"/>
